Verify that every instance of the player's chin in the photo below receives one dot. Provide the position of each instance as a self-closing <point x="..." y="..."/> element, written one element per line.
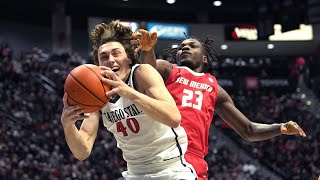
<point x="188" y="62"/>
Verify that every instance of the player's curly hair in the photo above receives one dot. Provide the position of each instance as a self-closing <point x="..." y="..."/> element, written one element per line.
<point x="208" y="48"/>
<point x="114" y="31"/>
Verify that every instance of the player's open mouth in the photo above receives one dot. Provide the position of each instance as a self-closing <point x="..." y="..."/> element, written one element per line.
<point x="115" y="69"/>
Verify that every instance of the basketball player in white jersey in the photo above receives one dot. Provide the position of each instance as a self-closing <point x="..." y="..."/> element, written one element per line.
<point x="141" y="114"/>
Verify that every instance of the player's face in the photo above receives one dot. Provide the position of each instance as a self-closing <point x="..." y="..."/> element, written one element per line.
<point x="190" y="54"/>
<point x="114" y="56"/>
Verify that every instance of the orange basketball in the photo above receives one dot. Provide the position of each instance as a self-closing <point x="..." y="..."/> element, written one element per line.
<point x="84" y="87"/>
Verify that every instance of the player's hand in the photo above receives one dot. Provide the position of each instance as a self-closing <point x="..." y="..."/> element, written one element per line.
<point x="291" y="128"/>
<point x="117" y="85"/>
<point x="145" y="39"/>
<point x="70" y="114"/>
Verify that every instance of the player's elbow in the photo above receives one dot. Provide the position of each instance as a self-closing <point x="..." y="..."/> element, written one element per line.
<point x="247" y="137"/>
<point x="82" y="156"/>
<point x="248" y="133"/>
<point x="175" y="120"/>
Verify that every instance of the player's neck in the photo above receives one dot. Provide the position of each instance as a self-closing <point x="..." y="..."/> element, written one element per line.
<point x="198" y="70"/>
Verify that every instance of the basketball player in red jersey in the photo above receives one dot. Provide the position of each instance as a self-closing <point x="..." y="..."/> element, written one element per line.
<point x="197" y="95"/>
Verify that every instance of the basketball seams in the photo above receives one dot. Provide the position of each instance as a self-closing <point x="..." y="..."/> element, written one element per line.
<point x="83" y="87"/>
<point x="104" y="90"/>
<point x="97" y="106"/>
<point x="72" y="76"/>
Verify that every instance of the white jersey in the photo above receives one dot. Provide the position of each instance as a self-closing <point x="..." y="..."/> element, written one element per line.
<point x="147" y="145"/>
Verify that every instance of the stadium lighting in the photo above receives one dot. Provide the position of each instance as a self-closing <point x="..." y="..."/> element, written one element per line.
<point x="174" y="46"/>
<point x="309" y="103"/>
<point x="270" y="46"/>
<point x="171" y="1"/>
<point x="217" y="3"/>
<point x="224" y="47"/>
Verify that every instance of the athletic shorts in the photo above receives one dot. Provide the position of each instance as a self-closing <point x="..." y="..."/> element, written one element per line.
<point x="176" y="171"/>
<point x="199" y="164"/>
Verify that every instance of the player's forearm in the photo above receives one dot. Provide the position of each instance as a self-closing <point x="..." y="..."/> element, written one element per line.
<point x="78" y="146"/>
<point x="148" y="57"/>
<point x="259" y="132"/>
<point x="159" y="110"/>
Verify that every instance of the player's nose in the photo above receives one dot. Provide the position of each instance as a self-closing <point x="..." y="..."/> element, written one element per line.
<point x="185" y="48"/>
<point x="111" y="59"/>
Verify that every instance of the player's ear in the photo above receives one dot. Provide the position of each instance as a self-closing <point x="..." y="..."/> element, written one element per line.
<point x="130" y="61"/>
<point x="205" y="59"/>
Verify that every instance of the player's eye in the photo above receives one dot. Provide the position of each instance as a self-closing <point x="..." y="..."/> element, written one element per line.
<point x="104" y="58"/>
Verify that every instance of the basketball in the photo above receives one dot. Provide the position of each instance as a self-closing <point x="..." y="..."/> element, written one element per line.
<point x="84" y="87"/>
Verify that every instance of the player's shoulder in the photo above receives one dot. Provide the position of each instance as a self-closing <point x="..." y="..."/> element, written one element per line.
<point x="163" y="62"/>
<point x="163" y="65"/>
<point x="144" y="73"/>
<point x="143" y="66"/>
<point x="190" y="71"/>
<point x="143" y="69"/>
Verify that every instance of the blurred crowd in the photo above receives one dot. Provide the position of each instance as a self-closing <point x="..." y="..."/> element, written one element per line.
<point x="32" y="143"/>
<point x="292" y="157"/>
<point x="312" y="75"/>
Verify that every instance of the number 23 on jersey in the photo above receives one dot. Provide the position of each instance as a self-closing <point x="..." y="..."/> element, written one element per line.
<point x="192" y="99"/>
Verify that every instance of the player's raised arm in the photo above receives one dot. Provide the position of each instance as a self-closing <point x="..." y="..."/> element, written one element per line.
<point x="146" y="41"/>
<point x="247" y="129"/>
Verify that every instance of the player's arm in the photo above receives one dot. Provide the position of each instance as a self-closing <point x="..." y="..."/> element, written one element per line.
<point x="146" y="41"/>
<point x="155" y="100"/>
<point x="247" y="129"/>
<point x="149" y="57"/>
<point x="79" y="141"/>
<point x="152" y="96"/>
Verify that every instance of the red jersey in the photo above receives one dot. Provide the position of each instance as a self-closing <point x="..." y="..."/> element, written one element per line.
<point x="195" y="95"/>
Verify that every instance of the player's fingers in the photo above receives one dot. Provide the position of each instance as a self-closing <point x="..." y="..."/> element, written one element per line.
<point x="296" y="126"/>
<point x="154" y="35"/>
<point x="143" y="31"/>
<point x="290" y="125"/>
<point x="109" y="74"/>
<point x="80" y="116"/>
<point x="72" y="110"/>
<point x="301" y="132"/>
<point x="136" y="36"/>
<point x="137" y="49"/>
<point x="104" y="68"/>
<point x="64" y="100"/>
<point x="110" y="93"/>
<point x="297" y="129"/>
<point x="77" y="110"/>
<point x="135" y="41"/>
<point x="110" y="82"/>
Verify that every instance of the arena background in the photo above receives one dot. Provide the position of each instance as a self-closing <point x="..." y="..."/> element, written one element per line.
<point x="273" y="76"/>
